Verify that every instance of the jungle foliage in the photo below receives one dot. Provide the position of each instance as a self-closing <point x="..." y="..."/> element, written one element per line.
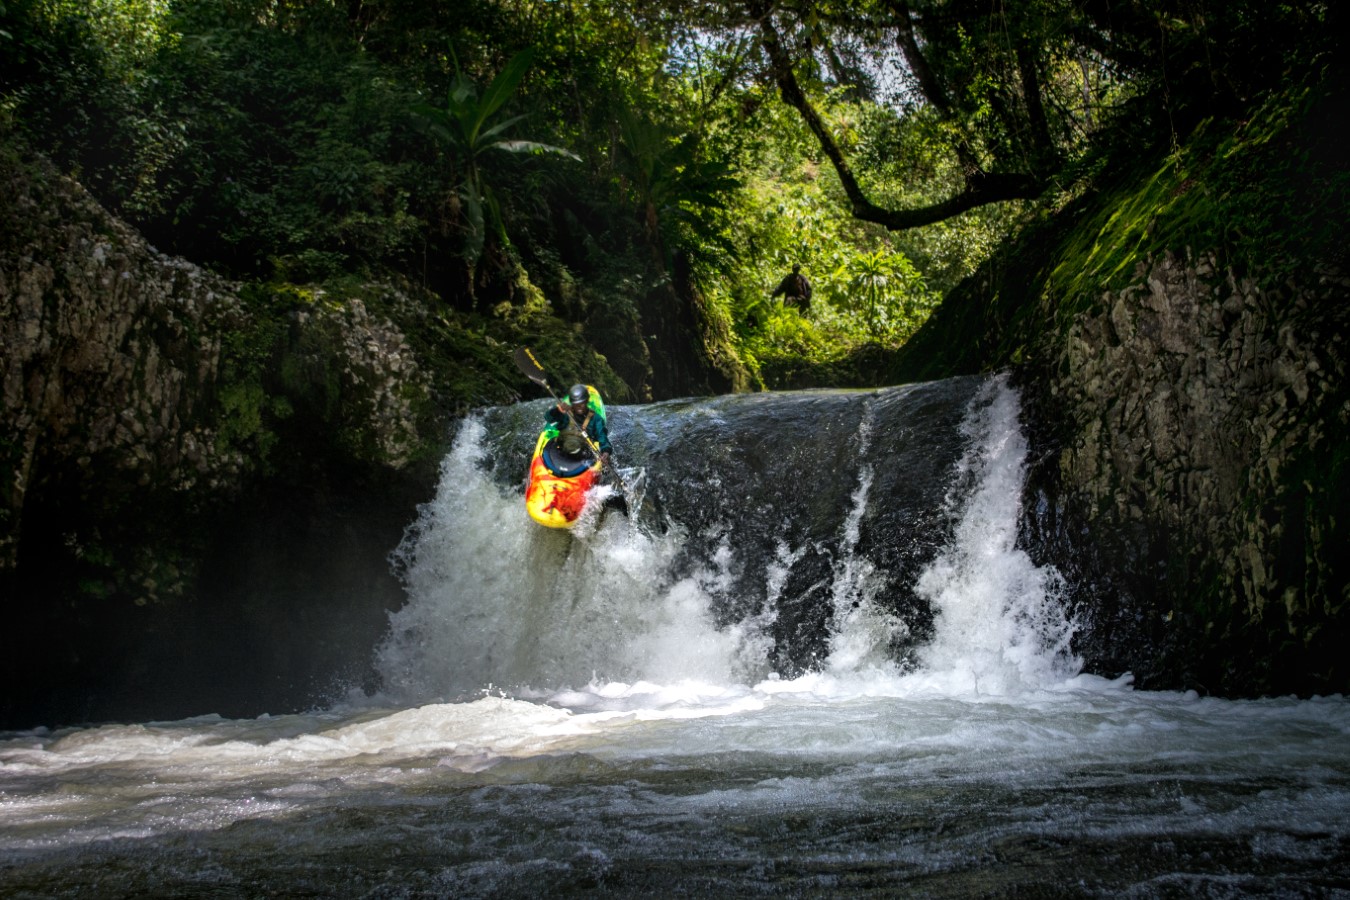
<point x="604" y="161"/>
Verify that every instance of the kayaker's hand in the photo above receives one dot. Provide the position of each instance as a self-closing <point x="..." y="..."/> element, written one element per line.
<point x="604" y="457"/>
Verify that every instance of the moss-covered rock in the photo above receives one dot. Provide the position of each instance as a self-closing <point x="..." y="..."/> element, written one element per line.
<point x="1206" y="420"/>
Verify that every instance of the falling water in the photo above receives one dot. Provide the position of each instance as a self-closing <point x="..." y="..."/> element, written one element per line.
<point x="1001" y="627"/>
<point x="558" y="610"/>
<point x="833" y="678"/>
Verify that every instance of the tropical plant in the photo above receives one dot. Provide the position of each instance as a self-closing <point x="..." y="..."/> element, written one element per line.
<point x="871" y="282"/>
<point x="889" y="291"/>
<point x="676" y="187"/>
<point x="467" y="130"/>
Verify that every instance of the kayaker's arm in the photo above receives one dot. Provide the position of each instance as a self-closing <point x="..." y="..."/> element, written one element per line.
<point x="600" y="434"/>
<point x="556" y="416"/>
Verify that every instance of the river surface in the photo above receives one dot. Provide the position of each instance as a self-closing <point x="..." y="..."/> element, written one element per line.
<point x="600" y="713"/>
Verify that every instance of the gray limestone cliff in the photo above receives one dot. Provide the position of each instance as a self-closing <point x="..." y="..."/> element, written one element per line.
<point x="1199" y="477"/>
<point x="119" y="357"/>
<point x="109" y="348"/>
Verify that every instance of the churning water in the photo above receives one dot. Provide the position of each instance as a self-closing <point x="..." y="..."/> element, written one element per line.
<point x="848" y="682"/>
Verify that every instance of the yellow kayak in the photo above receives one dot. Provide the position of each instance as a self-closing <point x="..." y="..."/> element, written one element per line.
<point x="558" y="485"/>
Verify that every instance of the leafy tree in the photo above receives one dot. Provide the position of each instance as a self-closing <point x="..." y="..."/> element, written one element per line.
<point x="72" y="77"/>
<point x="885" y="145"/>
<point x="982" y="183"/>
<point x="1017" y="90"/>
<point x="294" y="160"/>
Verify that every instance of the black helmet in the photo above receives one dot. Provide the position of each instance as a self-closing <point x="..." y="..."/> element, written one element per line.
<point x="578" y="394"/>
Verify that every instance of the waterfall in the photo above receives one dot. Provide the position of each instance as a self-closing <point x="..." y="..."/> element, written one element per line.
<point x="813" y="661"/>
<point x="498" y="601"/>
<point x="861" y="632"/>
<point x="1000" y="623"/>
<point x="854" y="534"/>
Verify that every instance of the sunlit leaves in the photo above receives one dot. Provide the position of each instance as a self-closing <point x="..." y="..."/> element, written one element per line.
<point x="130" y="30"/>
<point x="675" y="184"/>
<point x="888" y="292"/>
<point x="324" y="137"/>
<point x="869" y="285"/>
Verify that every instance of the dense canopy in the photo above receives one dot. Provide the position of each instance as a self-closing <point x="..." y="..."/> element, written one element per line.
<point x="574" y="156"/>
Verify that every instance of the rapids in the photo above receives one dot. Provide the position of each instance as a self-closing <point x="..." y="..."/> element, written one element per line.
<point x="814" y="662"/>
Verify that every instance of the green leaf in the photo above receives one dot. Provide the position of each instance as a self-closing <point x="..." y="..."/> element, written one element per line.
<point x="501" y="89"/>
<point x="534" y="147"/>
<point x="486" y="137"/>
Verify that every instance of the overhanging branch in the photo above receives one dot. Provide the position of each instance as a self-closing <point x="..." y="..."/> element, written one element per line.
<point x="981" y="188"/>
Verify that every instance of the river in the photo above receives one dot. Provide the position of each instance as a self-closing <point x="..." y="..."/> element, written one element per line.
<point x="701" y="700"/>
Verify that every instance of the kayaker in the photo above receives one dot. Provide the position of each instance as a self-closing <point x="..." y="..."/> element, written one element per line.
<point x="579" y="415"/>
<point x="794" y="288"/>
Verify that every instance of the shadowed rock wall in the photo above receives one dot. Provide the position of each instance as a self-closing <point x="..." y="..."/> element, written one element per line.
<point x="202" y="480"/>
<point x="1201" y="474"/>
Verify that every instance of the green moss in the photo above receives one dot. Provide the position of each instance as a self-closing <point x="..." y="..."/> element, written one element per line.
<point x="1267" y="193"/>
<point x="246" y="409"/>
<point x="1102" y="257"/>
<point x="246" y="413"/>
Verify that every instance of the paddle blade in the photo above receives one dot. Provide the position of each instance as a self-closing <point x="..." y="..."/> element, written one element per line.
<point x="529" y="366"/>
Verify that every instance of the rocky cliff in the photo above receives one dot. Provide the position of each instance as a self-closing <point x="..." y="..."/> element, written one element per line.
<point x="109" y="350"/>
<point x="154" y="415"/>
<point x="1190" y="409"/>
<point x="1201" y="478"/>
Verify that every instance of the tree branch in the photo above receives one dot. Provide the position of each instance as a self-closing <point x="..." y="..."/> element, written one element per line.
<point x="929" y="85"/>
<point x="1031" y="94"/>
<point x="981" y="188"/>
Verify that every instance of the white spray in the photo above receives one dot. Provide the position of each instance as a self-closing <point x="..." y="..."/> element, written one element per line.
<point x="498" y="602"/>
<point x="1000" y="625"/>
<point x="862" y="632"/>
